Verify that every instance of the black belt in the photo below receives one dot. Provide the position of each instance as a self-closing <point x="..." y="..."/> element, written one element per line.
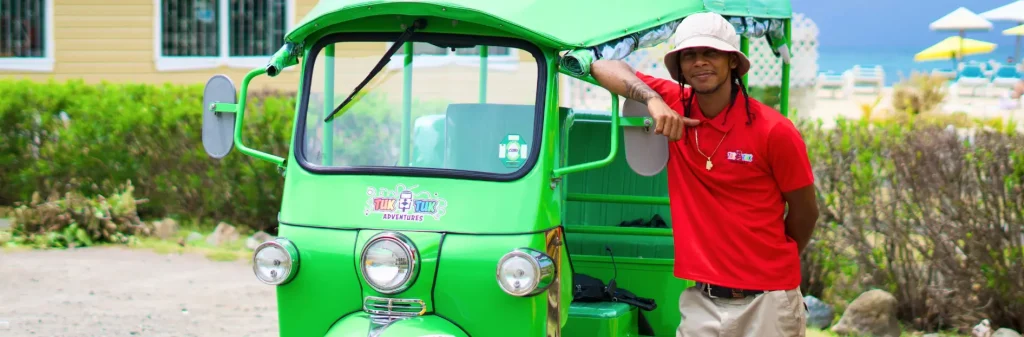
<point x="715" y="291"/>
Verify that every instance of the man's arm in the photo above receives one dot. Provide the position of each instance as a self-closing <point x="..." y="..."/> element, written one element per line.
<point x="619" y="78"/>
<point x="791" y="168"/>
<point x="802" y="215"/>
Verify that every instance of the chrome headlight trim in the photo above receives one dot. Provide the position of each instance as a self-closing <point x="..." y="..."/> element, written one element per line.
<point x="291" y="252"/>
<point x="543" y="269"/>
<point x="408" y="248"/>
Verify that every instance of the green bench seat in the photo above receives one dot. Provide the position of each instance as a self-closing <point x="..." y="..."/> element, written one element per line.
<point x="601" y="319"/>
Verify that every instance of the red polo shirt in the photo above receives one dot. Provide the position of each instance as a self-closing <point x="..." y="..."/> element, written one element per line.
<point x="728" y="223"/>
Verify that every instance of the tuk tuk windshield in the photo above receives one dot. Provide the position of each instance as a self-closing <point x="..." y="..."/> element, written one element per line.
<point x="451" y="112"/>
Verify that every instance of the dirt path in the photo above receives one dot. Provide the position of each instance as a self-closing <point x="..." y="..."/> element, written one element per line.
<point x="111" y="291"/>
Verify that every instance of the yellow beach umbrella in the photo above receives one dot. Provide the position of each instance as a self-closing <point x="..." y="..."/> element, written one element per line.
<point x="1012" y="12"/>
<point x="949" y="48"/>
<point x="1019" y="30"/>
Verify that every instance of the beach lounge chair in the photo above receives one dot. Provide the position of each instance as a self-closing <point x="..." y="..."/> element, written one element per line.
<point x="1006" y="76"/>
<point x="870" y="77"/>
<point x="973" y="77"/>
<point x="833" y="82"/>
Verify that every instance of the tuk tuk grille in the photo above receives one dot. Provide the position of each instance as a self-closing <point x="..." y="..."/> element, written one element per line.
<point x="394" y="306"/>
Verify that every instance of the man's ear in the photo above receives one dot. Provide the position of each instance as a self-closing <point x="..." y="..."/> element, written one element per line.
<point x="734" y="61"/>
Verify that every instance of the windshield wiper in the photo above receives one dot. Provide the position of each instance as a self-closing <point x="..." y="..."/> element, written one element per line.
<point x="418" y="24"/>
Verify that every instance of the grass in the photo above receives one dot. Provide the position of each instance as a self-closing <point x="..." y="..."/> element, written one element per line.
<point x="814" y="332"/>
<point x="233" y="251"/>
<point x="230" y="251"/>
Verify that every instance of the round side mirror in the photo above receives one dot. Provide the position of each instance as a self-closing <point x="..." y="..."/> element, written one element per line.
<point x="646" y="151"/>
<point x="218" y="127"/>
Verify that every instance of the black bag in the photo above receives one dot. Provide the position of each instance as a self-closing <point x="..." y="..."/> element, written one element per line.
<point x="586" y="288"/>
<point x="655" y="222"/>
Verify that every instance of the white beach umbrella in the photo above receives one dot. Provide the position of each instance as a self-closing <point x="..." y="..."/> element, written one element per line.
<point x="1013" y="12"/>
<point x="961" y="20"/>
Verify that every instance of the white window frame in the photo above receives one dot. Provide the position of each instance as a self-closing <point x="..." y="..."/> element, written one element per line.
<point x="494" y="62"/>
<point x="36" y="64"/>
<point x="186" y="63"/>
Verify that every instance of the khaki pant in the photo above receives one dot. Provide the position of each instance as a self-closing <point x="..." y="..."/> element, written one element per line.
<point x="771" y="314"/>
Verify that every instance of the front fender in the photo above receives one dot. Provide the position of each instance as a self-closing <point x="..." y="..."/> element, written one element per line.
<point x="358" y="325"/>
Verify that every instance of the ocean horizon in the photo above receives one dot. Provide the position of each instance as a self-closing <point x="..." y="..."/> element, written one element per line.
<point x="896" y="63"/>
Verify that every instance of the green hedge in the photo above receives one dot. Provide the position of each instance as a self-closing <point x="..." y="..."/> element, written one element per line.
<point x="60" y="137"/>
<point x="148" y="135"/>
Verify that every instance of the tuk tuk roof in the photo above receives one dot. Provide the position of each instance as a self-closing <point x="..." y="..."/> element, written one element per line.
<point x="561" y="24"/>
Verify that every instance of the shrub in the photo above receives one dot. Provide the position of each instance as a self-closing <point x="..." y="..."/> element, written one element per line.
<point x="78" y="221"/>
<point x="148" y="134"/>
<point x="921" y="93"/>
<point x="59" y="138"/>
<point x="931" y="213"/>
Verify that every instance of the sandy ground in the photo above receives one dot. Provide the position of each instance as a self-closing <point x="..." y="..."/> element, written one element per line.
<point x="130" y="292"/>
<point x="988" y="105"/>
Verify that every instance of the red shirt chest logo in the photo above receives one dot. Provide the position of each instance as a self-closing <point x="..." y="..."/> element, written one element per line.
<point x="740" y="157"/>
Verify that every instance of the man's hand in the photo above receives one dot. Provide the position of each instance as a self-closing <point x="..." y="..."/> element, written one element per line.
<point x="667" y="121"/>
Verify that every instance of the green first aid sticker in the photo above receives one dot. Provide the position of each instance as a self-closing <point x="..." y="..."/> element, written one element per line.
<point x="513" y="151"/>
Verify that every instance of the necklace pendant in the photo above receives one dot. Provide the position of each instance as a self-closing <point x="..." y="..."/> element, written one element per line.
<point x="708" y="165"/>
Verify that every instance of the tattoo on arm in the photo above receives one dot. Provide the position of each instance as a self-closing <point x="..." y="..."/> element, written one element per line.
<point x="638" y="91"/>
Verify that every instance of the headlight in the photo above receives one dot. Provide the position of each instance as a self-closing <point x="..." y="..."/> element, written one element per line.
<point x="275" y="262"/>
<point x="389" y="262"/>
<point x="525" y="272"/>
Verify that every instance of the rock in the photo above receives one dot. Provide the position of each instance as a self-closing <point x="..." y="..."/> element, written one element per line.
<point x="983" y="329"/>
<point x="1004" y="332"/>
<point x="166" y="228"/>
<point x="873" y="312"/>
<point x="224" y="233"/>
<point x="820" y="314"/>
<point x="258" y="238"/>
<point x="194" y="236"/>
<point x="931" y="335"/>
<point x="5" y="237"/>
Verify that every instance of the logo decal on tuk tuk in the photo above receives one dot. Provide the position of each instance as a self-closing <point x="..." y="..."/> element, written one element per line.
<point x="513" y="151"/>
<point x="404" y="204"/>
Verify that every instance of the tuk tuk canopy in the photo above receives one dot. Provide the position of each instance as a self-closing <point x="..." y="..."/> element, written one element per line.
<point x="561" y="24"/>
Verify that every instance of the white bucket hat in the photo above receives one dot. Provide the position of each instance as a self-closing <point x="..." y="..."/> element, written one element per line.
<point x="705" y="30"/>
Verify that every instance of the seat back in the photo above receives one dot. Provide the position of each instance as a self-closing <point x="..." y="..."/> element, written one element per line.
<point x="474" y="134"/>
<point x="972" y="71"/>
<point x="588" y="141"/>
<point x="1007" y="71"/>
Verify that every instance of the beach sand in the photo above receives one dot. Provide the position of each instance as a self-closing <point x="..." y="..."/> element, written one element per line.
<point x="983" y="105"/>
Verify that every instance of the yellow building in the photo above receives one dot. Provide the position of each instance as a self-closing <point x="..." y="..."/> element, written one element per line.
<point x="187" y="41"/>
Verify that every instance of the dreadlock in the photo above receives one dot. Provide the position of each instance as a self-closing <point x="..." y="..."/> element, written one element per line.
<point x="688" y="101"/>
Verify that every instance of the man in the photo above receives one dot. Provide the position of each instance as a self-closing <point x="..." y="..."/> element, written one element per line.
<point x="734" y="166"/>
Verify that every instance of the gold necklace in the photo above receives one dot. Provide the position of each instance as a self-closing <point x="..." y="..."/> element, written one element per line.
<point x="696" y="137"/>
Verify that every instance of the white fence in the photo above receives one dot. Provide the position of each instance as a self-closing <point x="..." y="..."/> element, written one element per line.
<point x="765" y="69"/>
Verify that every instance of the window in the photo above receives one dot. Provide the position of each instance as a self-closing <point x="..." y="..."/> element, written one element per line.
<point x="457" y="126"/>
<point x="26" y="35"/>
<point x="198" y="34"/>
<point x="428" y="55"/>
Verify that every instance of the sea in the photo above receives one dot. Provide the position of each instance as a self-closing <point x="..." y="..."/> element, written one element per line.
<point x="896" y="62"/>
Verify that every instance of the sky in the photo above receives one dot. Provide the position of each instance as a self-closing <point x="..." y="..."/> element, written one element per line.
<point x="895" y="24"/>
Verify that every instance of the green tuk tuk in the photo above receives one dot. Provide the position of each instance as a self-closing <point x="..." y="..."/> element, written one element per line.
<point x="469" y="201"/>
